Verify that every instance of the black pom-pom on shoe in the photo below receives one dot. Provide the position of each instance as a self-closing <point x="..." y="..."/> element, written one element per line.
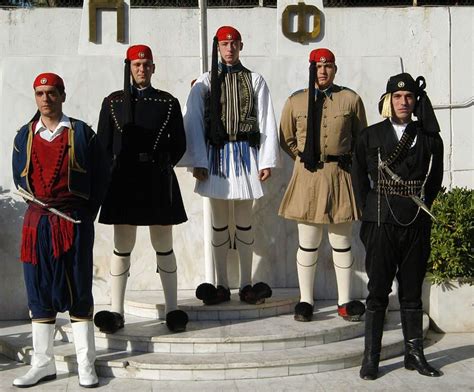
<point x="109" y="322"/>
<point x="247" y="295"/>
<point x="206" y="291"/>
<point x="176" y="320"/>
<point x="211" y="295"/>
<point x="223" y="294"/>
<point x="303" y="311"/>
<point x="262" y="290"/>
<point x="351" y="311"/>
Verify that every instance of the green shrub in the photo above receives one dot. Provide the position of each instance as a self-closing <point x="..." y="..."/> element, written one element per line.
<point x="452" y="237"/>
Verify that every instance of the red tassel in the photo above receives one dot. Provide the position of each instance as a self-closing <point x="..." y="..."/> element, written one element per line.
<point x="62" y="235"/>
<point x="28" y="245"/>
<point x="29" y="234"/>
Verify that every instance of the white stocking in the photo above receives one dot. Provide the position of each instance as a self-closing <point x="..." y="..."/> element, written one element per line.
<point x="124" y="241"/>
<point x="220" y="239"/>
<point x="162" y="241"/>
<point x="340" y="236"/>
<point x="309" y="236"/>
<point x="244" y="239"/>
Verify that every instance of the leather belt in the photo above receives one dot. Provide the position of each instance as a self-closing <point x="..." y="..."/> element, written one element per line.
<point x="323" y="158"/>
<point x="144" y="157"/>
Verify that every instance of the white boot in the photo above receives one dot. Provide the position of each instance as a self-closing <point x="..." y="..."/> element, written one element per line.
<point x="43" y="366"/>
<point x="83" y="332"/>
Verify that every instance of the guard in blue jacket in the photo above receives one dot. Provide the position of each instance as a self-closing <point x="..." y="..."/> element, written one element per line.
<point x="59" y="166"/>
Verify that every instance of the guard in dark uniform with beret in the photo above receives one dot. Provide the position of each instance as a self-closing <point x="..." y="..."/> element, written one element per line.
<point x="142" y="130"/>
<point x="397" y="172"/>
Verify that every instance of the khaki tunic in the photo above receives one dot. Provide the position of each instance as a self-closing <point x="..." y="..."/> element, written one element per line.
<point x="326" y="195"/>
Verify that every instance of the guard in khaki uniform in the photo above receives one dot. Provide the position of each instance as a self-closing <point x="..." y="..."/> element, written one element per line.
<point x="318" y="128"/>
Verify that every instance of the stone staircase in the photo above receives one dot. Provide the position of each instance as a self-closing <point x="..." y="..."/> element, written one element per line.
<point x="222" y="342"/>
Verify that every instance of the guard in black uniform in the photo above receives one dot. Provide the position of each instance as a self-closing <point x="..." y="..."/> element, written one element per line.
<point x="397" y="172"/>
<point x="142" y="130"/>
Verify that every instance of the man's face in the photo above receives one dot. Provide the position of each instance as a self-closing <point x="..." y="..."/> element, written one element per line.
<point x="325" y="74"/>
<point x="403" y="104"/>
<point x="230" y="51"/>
<point x="141" y="70"/>
<point x="49" y="101"/>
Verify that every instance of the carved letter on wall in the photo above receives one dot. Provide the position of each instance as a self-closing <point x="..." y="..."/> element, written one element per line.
<point x="303" y="12"/>
<point x="95" y="5"/>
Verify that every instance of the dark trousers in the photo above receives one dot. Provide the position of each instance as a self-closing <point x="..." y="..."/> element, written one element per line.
<point x="395" y="251"/>
<point x="63" y="284"/>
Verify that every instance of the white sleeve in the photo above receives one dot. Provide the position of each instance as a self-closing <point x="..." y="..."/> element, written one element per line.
<point x="269" y="152"/>
<point x="193" y="117"/>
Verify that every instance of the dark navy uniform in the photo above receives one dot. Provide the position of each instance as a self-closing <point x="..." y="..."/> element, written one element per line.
<point x="58" y="277"/>
<point x="395" y="232"/>
<point x="143" y="189"/>
<point x="397" y="172"/>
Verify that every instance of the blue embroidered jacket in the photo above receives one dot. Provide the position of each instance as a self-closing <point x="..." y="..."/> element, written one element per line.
<point x="87" y="169"/>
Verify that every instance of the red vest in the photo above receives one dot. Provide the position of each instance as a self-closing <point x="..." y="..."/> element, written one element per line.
<point x="48" y="177"/>
<point x="49" y="167"/>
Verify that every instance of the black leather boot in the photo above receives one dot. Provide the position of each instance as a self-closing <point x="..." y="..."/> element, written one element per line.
<point x="412" y="325"/>
<point x="373" y="344"/>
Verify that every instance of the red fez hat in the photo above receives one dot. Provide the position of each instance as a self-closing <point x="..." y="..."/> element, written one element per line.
<point x="225" y="33"/>
<point x="49" y="79"/>
<point x="139" y="52"/>
<point x="322" y="55"/>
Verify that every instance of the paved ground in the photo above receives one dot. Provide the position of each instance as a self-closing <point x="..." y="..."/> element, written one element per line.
<point x="452" y="353"/>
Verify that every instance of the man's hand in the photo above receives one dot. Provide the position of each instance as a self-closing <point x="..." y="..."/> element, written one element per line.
<point x="200" y="173"/>
<point x="264" y="174"/>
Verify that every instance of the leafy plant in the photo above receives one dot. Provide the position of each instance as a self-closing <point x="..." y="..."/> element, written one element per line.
<point x="452" y="237"/>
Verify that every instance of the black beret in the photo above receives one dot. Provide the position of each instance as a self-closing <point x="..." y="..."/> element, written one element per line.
<point x="401" y="82"/>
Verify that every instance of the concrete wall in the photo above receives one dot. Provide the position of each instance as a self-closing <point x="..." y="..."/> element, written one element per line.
<point x="370" y="45"/>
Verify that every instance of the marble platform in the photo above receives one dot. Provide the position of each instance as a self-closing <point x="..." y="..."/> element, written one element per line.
<point x="151" y="304"/>
<point x="232" y="349"/>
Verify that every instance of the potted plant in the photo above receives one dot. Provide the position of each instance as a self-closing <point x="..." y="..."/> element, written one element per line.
<point x="449" y="288"/>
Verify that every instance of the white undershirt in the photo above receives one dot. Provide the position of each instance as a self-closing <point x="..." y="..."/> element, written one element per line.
<point x="399" y="129"/>
<point x="50" y="135"/>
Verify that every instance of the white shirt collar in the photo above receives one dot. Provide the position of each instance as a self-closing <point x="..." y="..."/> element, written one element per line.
<point x="46" y="134"/>
<point x="399" y="129"/>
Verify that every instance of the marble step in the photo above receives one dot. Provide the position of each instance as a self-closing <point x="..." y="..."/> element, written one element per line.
<point x="151" y="304"/>
<point x="273" y="333"/>
<point x="15" y="342"/>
